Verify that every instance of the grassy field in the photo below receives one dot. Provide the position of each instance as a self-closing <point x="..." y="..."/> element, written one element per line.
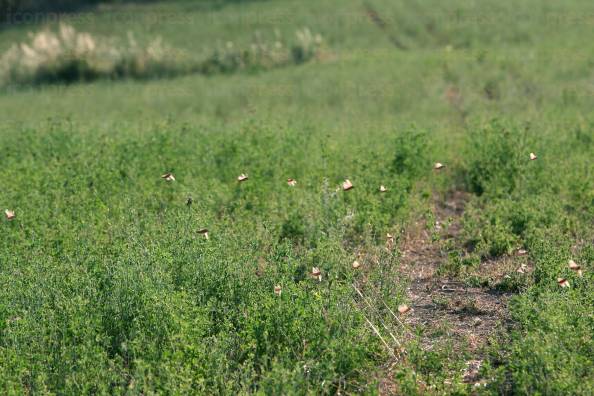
<point x="108" y="287"/>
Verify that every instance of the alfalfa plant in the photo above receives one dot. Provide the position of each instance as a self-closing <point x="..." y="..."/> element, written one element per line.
<point x="495" y="159"/>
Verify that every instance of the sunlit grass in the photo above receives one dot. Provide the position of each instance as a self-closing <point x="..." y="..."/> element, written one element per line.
<point x="237" y="230"/>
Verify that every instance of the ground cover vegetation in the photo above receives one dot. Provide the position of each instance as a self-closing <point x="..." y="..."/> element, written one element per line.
<point x="404" y="207"/>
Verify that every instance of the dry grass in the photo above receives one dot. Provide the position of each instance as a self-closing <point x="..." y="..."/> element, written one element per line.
<point x="68" y="56"/>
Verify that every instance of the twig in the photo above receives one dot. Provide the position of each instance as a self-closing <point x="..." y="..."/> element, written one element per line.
<point x="376" y="331"/>
<point x="381" y="321"/>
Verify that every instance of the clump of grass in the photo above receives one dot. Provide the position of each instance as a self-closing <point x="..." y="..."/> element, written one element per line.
<point x="68" y="56"/>
<point x="263" y="54"/>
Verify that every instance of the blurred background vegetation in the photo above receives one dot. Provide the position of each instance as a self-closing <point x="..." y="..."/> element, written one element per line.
<point x="9" y="8"/>
<point x="13" y="10"/>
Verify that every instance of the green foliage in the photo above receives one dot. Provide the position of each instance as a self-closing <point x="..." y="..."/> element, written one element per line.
<point x="17" y="11"/>
<point x="411" y="154"/>
<point x="495" y="159"/>
<point x="122" y="293"/>
<point x="107" y="288"/>
<point x="548" y="352"/>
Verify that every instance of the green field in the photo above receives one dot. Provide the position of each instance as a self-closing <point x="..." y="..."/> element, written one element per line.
<point x="108" y="287"/>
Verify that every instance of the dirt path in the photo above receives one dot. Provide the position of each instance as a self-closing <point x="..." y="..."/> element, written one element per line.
<point x="446" y="309"/>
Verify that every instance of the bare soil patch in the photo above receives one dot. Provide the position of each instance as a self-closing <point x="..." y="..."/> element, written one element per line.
<point x="445" y="309"/>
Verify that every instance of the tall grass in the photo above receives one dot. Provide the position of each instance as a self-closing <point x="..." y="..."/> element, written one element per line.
<point x="68" y="56"/>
